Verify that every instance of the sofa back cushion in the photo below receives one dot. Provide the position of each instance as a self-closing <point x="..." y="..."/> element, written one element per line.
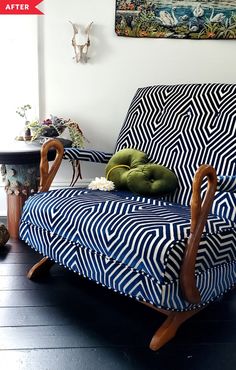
<point x="182" y="127"/>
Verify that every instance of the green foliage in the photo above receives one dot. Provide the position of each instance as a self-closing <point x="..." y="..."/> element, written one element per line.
<point x="54" y="127"/>
<point x="76" y="134"/>
<point x="213" y="30"/>
<point x="22" y="110"/>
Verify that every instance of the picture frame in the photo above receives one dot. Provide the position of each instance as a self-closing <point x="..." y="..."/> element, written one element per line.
<point x="179" y="19"/>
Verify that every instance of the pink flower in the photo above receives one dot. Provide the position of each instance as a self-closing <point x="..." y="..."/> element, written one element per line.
<point x="47" y="122"/>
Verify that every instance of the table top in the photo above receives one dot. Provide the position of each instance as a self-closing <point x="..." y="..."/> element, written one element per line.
<point x="21" y="152"/>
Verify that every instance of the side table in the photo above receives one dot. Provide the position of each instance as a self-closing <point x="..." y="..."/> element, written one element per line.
<point x="20" y="172"/>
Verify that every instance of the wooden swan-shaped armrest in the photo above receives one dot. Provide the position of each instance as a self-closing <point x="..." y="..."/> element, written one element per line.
<point x="199" y="214"/>
<point x="46" y="175"/>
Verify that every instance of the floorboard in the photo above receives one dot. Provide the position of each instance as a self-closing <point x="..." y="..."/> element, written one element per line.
<point x="18" y="258"/>
<point x="33" y="316"/>
<point x="66" y="322"/>
<point x="201" y="357"/>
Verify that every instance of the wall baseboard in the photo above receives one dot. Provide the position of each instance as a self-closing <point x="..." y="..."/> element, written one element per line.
<point x="64" y="184"/>
<point x="56" y="185"/>
<point x="3" y="220"/>
<point x="3" y="203"/>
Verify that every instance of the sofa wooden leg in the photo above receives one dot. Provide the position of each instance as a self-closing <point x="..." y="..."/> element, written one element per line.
<point x="169" y="328"/>
<point x="40" y="268"/>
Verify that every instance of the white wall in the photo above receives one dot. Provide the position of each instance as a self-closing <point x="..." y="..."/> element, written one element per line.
<point x="18" y="76"/>
<point x="98" y="94"/>
<point x="18" y="70"/>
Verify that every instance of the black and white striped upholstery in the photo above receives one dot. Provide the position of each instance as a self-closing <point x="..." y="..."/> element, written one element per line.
<point x="128" y="240"/>
<point x="87" y="155"/>
<point x="182" y="127"/>
<point x="135" y="245"/>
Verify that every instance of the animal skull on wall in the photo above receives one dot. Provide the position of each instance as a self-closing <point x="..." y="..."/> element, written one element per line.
<point x="81" y="50"/>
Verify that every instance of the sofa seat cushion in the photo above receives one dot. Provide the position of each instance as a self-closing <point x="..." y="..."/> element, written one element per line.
<point x="126" y="280"/>
<point x="145" y="234"/>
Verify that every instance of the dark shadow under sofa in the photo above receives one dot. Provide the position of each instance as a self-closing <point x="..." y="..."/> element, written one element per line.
<point x="171" y="253"/>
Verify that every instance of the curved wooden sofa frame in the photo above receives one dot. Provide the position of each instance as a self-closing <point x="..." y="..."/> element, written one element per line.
<point x="199" y="214"/>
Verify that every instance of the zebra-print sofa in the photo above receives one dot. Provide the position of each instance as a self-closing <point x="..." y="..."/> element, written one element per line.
<point x="148" y="248"/>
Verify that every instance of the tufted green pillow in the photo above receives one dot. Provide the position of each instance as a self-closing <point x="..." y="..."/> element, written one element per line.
<point x="151" y="179"/>
<point x="119" y="165"/>
<point x="128" y="169"/>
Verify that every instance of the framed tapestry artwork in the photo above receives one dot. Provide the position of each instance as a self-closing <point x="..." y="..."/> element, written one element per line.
<point x="179" y="19"/>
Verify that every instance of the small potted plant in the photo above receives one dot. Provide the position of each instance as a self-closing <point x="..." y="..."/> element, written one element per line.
<point x="54" y="127"/>
<point x="22" y="111"/>
<point x="50" y="127"/>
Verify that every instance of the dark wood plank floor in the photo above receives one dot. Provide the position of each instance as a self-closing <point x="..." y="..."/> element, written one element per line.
<point x="65" y="322"/>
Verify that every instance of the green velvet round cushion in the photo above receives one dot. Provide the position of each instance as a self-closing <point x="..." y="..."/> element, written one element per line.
<point x="151" y="179"/>
<point x="129" y="170"/>
<point x="121" y="163"/>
